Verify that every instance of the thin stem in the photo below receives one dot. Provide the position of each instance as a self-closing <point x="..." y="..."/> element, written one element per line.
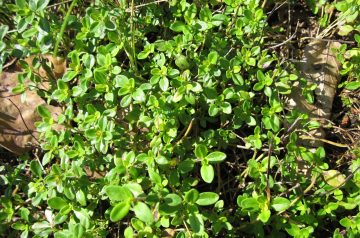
<point x="63" y="26"/>
<point x="132" y="35"/>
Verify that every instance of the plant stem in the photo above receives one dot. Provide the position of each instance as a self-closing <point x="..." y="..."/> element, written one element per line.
<point x="62" y="29"/>
<point x="132" y="36"/>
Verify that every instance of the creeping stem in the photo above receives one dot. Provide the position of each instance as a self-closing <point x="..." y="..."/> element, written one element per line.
<point x="62" y="29"/>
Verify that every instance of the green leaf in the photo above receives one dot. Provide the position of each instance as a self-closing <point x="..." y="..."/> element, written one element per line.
<point x="353" y="85"/>
<point x="128" y="232"/>
<point x="346" y="222"/>
<point x="91" y="133"/>
<point x="178" y="26"/>
<point x="226" y="107"/>
<point x="69" y="75"/>
<point x="35" y="168"/>
<point x="250" y="204"/>
<point x="258" y="86"/>
<point x="172" y="199"/>
<point x="207" y="173"/>
<point x="191" y="196"/>
<point x="21" y="4"/>
<point x="207" y="198"/>
<point x="164" y="83"/>
<point x="201" y="151"/>
<point x="196" y="222"/>
<point x="29" y="33"/>
<point x="57" y="203"/>
<point x="213" y="110"/>
<point x="212" y="57"/>
<point x="81" y="198"/>
<point x="125" y="101"/>
<point x="143" y="212"/>
<point x="182" y="62"/>
<point x="216" y="156"/>
<point x="121" y="81"/>
<point x="280" y="204"/>
<point x="99" y="77"/>
<point x="218" y="19"/>
<point x="119" y="211"/>
<point x="118" y="193"/>
<point x="264" y="215"/>
<point x="3" y="30"/>
<point x="139" y="95"/>
<point x="43" y="112"/>
<point x="83" y="217"/>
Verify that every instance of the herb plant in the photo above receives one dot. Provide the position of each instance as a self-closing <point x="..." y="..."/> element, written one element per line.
<point x="173" y="124"/>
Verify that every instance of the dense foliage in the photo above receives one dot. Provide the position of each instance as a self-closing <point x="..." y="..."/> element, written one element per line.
<point x="157" y="99"/>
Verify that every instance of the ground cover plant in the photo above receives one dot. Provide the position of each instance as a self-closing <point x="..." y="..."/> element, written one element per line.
<point x="175" y="120"/>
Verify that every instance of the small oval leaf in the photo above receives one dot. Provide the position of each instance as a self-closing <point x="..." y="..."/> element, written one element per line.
<point x="119" y="211"/>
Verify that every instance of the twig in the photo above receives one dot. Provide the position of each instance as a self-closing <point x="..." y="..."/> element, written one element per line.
<point x="276" y="8"/>
<point x="290" y="129"/>
<point x="9" y="63"/>
<point x="293" y="202"/>
<point x="263" y="4"/>
<point x="286" y="41"/>
<point x="264" y="149"/>
<point x="29" y="131"/>
<point x="324" y="140"/>
<point x="144" y="4"/>
<point x="327" y="40"/>
<point x="342" y="184"/>
<point x="59" y="3"/>
<point x="186" y="132"/>
<point x="23" y="120"/>
<point x="268" y="192"/>
<point x="63" y="26"/>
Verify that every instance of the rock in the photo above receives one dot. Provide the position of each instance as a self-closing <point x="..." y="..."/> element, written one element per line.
<point x="319" y="67"/>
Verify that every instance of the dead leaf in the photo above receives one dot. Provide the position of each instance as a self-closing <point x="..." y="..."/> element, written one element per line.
<point x="334" y="178"/>
<point x="17" y="130"/>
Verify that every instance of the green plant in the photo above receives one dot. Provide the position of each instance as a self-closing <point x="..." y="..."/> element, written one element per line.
<point x="157" y="99"/>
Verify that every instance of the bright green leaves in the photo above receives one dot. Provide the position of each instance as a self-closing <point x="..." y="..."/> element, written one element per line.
<point x="172" y="199"/>
<point x="255" y="140"/>
<point x="182" y="62"/>
<point x="196" y="222"/>
<point x="263" y="80"/>
<point x="57" y="203"/>
<point x="44" y="112"/>
<point x="171" y="203"/>
<point x="118" y="193"/>
<point x="201" y="151"/>
<point x="38" y="5"/>
<point x="128" y="90"/>
<point x="100" y="77"/>
<point x="161" y="77"/>
<point x="101" y="134"/>
<point x="207" y="198"/>
<point x="143" y="212"/>
<point x="119" y="211"/>
<point x="216" y="157"/>
<point x="280" y="204"/>
<point x="164" y="83"/>
<point x="207" y="170"/>
<point x="190" y="13"/>
<point x="36" y="168"/>
<point x="148" y="49"/>
<point x="62" y="92"/>
<point x="191" y="196"/>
